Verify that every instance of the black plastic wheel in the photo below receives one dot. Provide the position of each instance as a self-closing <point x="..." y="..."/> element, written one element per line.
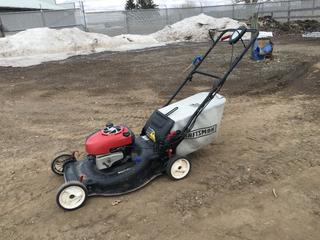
<point x="178" y="167"/>
<point x="71" y="195"/>
<point x="58" y="162"/>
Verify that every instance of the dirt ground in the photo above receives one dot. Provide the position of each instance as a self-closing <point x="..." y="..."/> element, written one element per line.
<point x="269" y="140"/>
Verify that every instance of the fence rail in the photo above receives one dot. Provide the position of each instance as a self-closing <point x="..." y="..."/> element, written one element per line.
<point x="150" y="20"/>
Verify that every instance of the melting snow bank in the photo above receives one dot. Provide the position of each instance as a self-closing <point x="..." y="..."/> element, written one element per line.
<point x="311" y="35"/>
<point x="194" y="28"/>
<point x="34" y="46"/>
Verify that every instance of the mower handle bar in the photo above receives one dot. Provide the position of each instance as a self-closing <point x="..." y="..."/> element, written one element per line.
<point x="215" y="89"/>
<point x="222" y="38"/>
<point x="214" y="43"/>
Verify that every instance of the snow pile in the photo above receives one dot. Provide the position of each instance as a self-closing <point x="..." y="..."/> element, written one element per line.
<point x="194" y="28"/>
<point x="311" y="35"/>
<point x="34" y="46"/>
<point x="38" y="45"/>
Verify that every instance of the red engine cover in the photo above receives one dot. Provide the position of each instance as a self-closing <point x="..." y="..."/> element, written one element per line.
<point x="101" y="143"/>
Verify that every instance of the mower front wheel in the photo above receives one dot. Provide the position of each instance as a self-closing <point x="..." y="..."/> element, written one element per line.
<point x="58" y="163"/>
<point x="178" y="168"/>
<point x="72" y="195"/>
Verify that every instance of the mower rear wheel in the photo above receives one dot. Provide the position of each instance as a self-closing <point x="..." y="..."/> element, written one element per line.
<point x="178" y="168"/>
<point x="58" y="162"/>
<point x="71" y="195"/>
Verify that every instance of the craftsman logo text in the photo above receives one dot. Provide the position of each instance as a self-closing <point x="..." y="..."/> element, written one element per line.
<point x="202" y="132"/>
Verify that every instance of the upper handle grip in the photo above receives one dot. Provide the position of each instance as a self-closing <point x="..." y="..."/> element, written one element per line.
<point x="237" y="35"/>
<point x="241" y="29"/>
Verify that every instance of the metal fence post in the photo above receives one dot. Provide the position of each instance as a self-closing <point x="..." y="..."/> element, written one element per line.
<point x="260" y="9"/>
<point x="313" y="7"/>
<point x="289" y="10"/>
<point x="233" y="11"/>
<point x="167" y="16"/>
<point x="127" y="22"/>
<point x="84" y="16"/>
<point x="1" y="29"/>
<point x="42" y="17"/>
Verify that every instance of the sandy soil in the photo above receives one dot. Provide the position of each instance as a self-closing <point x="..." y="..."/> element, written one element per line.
<point x="270" y="139"/>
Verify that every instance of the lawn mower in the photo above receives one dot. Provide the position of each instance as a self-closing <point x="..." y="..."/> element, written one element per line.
<point x="118" y="162"/>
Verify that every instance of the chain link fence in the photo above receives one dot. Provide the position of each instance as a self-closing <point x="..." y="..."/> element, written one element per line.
<point x="13" y="22"/>
<point x="151" y="20"/>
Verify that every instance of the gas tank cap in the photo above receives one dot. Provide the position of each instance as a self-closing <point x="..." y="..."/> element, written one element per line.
<point x="126" y="134"/>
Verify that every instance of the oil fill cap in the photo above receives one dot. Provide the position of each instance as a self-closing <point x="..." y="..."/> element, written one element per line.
<point x="126" y="134"/>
